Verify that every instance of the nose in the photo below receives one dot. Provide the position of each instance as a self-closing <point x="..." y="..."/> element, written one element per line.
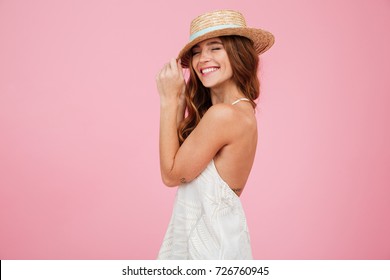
<point x="204" y="56"/>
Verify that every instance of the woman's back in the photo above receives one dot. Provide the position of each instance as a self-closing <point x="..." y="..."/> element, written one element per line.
<point x="234" y="161"/>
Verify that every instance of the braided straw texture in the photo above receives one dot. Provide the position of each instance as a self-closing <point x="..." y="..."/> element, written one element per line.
<point x="217" y="18"/>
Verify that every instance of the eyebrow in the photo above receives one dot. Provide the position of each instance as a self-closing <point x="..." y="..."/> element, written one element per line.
<point x="208" y="44"/>
<point x="213" y="42"/>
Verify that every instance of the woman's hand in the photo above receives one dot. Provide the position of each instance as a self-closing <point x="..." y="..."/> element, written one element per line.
<point x="170" y="82"/>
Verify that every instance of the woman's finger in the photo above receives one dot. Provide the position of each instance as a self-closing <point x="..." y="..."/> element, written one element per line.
<point x="180" y="68"/>
<point x="173" y="65"/>
<point x="179" y="65"/>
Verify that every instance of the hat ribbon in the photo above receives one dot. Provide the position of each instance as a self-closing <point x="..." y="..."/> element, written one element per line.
<point x="212" y="28"/>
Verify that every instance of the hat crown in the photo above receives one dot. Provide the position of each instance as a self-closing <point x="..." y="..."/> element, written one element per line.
<point x="216" y="19"/>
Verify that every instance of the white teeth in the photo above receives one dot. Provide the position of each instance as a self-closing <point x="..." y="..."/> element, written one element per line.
<point x="208" y="70"/>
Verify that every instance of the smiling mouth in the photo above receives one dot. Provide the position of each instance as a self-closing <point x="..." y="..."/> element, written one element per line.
<point x="208" y="70"/>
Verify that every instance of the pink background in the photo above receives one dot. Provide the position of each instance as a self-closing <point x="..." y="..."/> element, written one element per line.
<point x="79" y="114"/>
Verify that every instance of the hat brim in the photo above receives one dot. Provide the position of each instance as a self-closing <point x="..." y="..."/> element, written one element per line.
<point x="262" y="40"/>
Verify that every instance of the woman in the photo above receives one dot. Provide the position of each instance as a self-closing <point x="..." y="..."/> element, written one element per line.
<point x="210" y="150"/>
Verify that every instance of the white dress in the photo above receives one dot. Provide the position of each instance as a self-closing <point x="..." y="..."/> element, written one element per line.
<point x="208" y="222"/>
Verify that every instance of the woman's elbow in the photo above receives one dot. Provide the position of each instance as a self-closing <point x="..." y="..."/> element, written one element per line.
<point x="168" y="181"/>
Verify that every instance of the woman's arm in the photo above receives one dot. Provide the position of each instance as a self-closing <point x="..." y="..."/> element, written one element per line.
<point x="170" y="85"/>
<point x="217" y="128"/>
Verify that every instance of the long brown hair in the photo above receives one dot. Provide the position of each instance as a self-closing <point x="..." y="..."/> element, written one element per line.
<point x="244" y="61"/>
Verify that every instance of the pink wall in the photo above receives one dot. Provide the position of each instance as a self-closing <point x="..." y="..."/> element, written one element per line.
<point x="79" y="174"/>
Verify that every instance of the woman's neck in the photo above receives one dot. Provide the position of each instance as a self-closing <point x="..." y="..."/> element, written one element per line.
<point x="225" y="94"/>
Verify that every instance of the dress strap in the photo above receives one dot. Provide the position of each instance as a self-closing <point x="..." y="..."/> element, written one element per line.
<point x="240" y="99"/>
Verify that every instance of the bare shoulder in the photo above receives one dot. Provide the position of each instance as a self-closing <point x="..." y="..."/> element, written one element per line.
<point x="220" y="112"/>
<point x="230" y="117"/>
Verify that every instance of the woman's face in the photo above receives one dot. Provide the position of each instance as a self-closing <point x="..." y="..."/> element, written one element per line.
<point x="211" y="63"/>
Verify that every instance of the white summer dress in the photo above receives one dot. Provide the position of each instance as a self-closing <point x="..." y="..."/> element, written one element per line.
<point x="208" y="221"/>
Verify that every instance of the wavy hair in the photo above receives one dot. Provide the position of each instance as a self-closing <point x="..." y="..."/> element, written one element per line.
<point x="244" y="62"/>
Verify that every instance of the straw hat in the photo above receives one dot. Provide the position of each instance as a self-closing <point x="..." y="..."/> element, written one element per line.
<point x="224" y="23"/>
